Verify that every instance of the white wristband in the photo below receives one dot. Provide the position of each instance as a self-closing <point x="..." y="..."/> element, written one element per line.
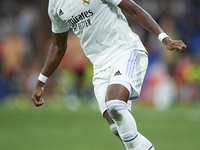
<point x="42" y="78"/>
<point x="162" y="35"/>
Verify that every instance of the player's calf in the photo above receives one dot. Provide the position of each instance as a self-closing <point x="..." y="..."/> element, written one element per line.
<point x="145" y="143"/>
<point x="125" y="123"/>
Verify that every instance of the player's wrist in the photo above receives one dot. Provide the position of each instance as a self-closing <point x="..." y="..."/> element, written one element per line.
<point x="162" y="36"/>
<point x="42" y="78"/>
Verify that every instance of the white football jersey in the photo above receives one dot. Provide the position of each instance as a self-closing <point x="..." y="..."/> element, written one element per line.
<point x="101" y="26"/>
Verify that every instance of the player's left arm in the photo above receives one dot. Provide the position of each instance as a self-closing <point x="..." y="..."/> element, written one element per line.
<point x="141" y="16"/>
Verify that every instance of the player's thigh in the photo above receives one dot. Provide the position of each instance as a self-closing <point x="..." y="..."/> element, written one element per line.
<point x="117" y="91"/>
<point x="130" y="71"/>
<point x="101" y="82"/>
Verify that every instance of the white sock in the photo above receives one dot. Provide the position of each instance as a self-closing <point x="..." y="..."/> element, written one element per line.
<point x="125" y="123"/>
<point x="145" y="143"/>
<point x="113" y="129"/>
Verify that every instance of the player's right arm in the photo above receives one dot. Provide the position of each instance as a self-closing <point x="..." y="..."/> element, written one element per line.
<point x="54" y="57"/>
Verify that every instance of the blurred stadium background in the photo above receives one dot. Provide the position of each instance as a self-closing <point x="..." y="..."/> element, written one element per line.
<point x="167" y="112"/>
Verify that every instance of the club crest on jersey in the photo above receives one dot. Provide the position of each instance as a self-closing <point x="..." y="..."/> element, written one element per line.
<point x="86" y="2"/>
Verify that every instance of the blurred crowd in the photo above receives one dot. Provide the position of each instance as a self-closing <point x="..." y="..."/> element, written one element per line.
<point x="25" y="35"/>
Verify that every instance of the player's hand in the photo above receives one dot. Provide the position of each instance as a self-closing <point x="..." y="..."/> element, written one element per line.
<point x="37" y="95"/>
<point x="177" y="45"/>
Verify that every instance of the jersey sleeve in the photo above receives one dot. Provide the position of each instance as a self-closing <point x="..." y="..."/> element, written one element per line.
<point x="114" y="2"/>
<point x="57" y="24"/>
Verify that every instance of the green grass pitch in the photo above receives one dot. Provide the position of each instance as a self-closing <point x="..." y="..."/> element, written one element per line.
<point x="46" y="128"/>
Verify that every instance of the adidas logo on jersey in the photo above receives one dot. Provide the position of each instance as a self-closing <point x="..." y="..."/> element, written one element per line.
<point x="61" y="12"/>
<point x="117" y="73"/>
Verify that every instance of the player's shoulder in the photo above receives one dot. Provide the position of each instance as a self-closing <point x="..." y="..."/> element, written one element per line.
<point x="115" y="2"/>
<point x="53" y="3"/>
<point x="52" y="6"/>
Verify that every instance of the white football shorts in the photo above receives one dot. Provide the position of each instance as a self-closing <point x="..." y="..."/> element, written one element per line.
<point x="129" y="70"/>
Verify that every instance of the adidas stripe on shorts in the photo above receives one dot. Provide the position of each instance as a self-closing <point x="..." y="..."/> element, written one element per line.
<point x="128" y="71"/>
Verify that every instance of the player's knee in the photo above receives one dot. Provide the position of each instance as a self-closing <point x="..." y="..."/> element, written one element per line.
<point x="114" y="108"/>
